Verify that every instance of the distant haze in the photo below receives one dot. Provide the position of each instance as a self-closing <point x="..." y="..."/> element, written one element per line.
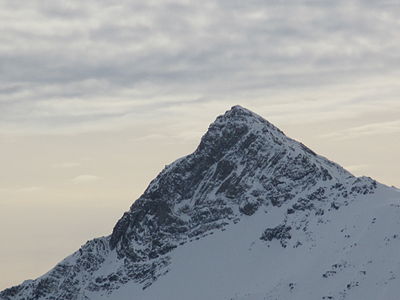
<point x="96" y="97"/>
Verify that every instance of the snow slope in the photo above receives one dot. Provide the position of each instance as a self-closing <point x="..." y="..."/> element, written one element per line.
<point x="251" y="214"/>
<point x="352" y="254"/>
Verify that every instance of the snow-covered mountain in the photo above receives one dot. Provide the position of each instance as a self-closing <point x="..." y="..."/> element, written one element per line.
<point x="250" y="215"/>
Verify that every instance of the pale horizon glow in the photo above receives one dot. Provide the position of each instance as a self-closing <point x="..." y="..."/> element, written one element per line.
<point x="96" y="98"/>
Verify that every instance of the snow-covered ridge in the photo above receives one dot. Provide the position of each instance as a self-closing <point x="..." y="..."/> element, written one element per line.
<point x="245" y="176"/>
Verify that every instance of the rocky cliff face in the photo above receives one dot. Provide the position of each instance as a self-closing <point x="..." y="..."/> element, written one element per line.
<point x="243" y="167"/>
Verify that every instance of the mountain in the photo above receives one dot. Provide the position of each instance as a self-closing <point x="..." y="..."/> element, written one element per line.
<point x="250" y="215"/>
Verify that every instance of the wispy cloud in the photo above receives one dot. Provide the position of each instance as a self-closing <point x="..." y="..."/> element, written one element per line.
<point x="86" y="178"/>
<point x="66" y="165"/>
<point x="31" y="189"/>
<point x="21" y="189"/>
<point x="380" y="128"/>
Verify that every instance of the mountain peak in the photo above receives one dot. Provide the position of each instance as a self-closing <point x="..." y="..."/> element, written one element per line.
<point x="243" y="169"/>
<point x="235" y="124"/>
<point x="239" y="113"/>
<point x="239" y="110"/>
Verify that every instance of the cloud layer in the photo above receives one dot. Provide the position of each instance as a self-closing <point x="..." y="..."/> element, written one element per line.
<point x="82" y="66"/>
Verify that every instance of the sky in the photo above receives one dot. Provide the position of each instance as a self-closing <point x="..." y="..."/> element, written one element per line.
<point x="97" y="96"/>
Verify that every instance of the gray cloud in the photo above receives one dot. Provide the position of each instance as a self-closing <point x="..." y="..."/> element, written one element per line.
<point x="66" y="65"/>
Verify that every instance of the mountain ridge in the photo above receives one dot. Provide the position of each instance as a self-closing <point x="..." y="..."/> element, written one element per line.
<point x="243" y="168"/>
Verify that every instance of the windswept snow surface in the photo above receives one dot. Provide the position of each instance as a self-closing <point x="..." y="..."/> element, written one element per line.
<point x="250" y="215"/>
<point x="352" y="253"/>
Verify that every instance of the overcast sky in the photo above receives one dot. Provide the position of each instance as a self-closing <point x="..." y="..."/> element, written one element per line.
<point x="97" y="96"/>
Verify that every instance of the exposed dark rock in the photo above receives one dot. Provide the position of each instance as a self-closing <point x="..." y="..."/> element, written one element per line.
<point x="249" y="208"/>
<point x="280" y="233"/>
<point x="335" y="205"/>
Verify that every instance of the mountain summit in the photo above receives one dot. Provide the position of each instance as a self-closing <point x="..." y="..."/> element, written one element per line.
<point x="250" y="214"/>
